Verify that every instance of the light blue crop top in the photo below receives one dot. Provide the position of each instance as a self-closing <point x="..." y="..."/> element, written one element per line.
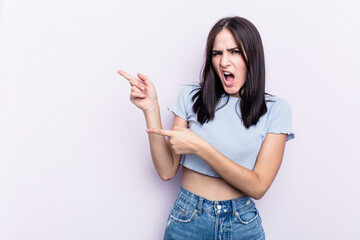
<point x="226" y="131"/>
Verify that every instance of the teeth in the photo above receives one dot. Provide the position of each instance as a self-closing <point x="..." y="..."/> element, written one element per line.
<point x="227" y="73"/>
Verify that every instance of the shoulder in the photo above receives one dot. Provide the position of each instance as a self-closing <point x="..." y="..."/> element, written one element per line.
<point x="189" y="90"/>
<point x="279" y="117"/>
<point x="182" y="106"/>
<point x="274" y="103"/>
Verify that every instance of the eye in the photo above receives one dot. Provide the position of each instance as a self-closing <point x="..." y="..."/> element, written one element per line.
<point x="235" y="52"/>
<point x="216" y="53"/>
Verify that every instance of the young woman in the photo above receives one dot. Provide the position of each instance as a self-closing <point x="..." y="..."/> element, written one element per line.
<point x="228" y="134"/>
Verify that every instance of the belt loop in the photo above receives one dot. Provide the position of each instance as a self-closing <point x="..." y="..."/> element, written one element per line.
<point x="233" y="204"/>
<point x="199" y="206"/>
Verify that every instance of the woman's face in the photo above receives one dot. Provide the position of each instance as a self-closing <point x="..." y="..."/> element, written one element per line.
<point x="228" y="62"/>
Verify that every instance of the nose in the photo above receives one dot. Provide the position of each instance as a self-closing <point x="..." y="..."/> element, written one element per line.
<point x="225" y="60"/>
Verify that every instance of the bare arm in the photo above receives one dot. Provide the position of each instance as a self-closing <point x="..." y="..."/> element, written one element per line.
<point x="254" y="183"/>
<point x="165" y="160"/>
<point x="144" y="96"/>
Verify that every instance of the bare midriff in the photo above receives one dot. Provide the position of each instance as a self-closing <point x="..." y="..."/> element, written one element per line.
<point x="211" y="188"/>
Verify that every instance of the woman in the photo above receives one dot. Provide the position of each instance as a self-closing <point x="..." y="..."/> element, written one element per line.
<point x="227" y="133"/>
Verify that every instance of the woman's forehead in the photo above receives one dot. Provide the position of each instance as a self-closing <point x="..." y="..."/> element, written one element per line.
<point x="224" y="39"/>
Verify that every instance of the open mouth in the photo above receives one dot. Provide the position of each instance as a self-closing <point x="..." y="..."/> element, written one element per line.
<point x="229" y="78"/>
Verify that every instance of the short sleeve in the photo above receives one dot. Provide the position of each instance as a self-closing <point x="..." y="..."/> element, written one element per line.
<point x="180" y="106"/>
<point x="280" y="119"/>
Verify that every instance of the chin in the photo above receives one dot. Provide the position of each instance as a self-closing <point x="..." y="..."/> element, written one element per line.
<point x="234" y="93"/>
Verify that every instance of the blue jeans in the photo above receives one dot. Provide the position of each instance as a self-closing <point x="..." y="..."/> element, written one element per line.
<point x="194" y="217"/>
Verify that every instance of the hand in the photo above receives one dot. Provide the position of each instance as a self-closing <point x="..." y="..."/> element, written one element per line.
<point x="181" y="140"/>
<point x="143" y="93"/>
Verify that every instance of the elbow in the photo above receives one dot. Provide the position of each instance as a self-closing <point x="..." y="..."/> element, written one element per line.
<point x="258" y="193"/>
<point x="167" y="177"/>
<point x="168" y="173"/>
<point x="259" y="188"/>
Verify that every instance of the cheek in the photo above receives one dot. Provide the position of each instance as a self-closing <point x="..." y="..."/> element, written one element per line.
<point x="242" y="67"/>
<point x="244" y="70"/>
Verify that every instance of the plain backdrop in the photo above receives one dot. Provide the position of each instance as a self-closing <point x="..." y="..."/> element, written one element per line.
<point x="74" y="156"/>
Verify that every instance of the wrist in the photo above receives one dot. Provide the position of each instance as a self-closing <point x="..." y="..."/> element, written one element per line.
<point x="200" y="147"/>
<point x="152" y="117"/>
<point x="153" y="110"/>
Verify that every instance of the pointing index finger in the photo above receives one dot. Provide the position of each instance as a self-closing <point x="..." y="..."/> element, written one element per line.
<point x="125" y="75"/>
<point x="132" y="80"/>
<point x="161" y="132"/>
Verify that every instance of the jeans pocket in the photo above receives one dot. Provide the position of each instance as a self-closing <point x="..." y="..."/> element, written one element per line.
<point x="247" y="214"/>
<point x="182" y="215"/>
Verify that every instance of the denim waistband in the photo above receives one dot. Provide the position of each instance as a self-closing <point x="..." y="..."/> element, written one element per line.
<point x="212" y="207"/>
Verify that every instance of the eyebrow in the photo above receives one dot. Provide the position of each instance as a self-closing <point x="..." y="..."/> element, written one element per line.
<point x="229" y="49"/>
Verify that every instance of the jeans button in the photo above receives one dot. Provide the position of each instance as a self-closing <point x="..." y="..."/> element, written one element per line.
<point x="219" y="207"/>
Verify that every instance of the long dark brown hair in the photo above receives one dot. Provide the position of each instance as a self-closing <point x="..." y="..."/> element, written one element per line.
<point x="252" y="104"/>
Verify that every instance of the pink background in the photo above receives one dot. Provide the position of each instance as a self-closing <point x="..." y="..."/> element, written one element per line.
<point x="74" y="156"/>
